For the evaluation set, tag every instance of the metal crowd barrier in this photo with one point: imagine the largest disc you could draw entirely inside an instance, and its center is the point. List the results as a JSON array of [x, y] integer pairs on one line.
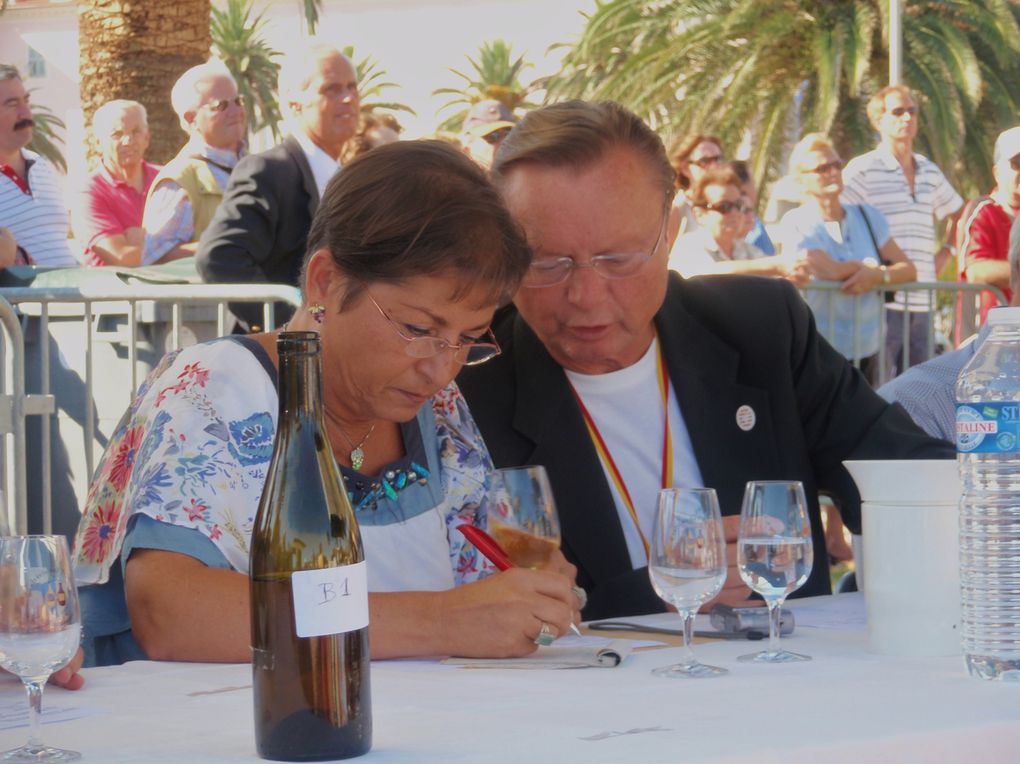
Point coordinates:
[[949, 303], [72, 359]]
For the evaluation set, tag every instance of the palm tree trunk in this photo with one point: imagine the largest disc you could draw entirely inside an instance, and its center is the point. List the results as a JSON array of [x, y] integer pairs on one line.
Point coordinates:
[[137, 49]]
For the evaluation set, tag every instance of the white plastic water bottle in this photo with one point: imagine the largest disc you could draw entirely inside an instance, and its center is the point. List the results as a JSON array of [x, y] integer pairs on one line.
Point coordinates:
[[988, 453]]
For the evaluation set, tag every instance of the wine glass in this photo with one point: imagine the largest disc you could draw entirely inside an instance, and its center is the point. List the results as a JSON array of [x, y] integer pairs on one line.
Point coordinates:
[[687, 564], [40, 626], [522, 515], [774, 552]]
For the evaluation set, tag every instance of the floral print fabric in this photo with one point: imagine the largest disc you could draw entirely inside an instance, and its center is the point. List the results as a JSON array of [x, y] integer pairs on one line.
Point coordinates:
[[193, 448]]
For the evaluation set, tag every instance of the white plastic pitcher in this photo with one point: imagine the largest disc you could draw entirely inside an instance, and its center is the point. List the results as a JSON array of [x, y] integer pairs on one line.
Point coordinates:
[[910, 515]]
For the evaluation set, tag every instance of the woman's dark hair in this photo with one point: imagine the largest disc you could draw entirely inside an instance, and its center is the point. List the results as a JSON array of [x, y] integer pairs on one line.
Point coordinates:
[[717, 176], [418, 208]]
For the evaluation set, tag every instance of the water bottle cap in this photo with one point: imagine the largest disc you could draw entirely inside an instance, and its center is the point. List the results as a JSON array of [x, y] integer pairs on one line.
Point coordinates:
[[1004, 316]]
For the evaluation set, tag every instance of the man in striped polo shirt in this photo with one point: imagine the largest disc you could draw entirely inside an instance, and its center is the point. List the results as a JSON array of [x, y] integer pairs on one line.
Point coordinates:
[[32, 208], [911, 191]]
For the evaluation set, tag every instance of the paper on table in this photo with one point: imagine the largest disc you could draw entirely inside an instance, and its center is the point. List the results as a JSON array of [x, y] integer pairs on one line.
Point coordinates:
[[564, 653], [15, 714], [836, 611]]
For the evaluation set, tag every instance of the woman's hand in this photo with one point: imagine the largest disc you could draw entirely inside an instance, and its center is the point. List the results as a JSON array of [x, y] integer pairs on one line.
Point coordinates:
[[500, 616], [864, 280], [68, 677], [558, 564]]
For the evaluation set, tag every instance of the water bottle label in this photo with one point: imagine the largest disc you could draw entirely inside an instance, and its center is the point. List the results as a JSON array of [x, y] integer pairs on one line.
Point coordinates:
[[330, 600], [988, 428]]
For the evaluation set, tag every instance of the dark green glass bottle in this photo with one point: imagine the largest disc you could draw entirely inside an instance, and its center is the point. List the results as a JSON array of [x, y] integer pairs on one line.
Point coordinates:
[[309, 601]]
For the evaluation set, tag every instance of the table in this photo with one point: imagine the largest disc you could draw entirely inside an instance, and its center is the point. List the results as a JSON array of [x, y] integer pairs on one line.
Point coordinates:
[[846, 705]]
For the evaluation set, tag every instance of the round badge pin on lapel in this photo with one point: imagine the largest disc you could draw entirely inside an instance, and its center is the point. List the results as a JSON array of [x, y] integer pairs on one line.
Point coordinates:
[[746, 418]]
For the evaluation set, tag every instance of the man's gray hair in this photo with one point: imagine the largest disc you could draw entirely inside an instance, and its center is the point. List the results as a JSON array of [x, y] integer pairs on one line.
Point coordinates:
[[184, 96], [300, 67], [106, 115], [9, 72]]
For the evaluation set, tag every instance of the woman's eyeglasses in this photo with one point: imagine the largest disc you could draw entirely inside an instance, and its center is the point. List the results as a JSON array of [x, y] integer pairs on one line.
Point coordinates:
[[724, 207], [833, 166], [899, 111], [222, 104], [425, 346], [706, 162]]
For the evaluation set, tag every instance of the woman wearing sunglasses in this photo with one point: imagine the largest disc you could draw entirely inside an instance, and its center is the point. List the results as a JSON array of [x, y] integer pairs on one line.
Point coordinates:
[[845, 243], [410, 253], [718, 246]]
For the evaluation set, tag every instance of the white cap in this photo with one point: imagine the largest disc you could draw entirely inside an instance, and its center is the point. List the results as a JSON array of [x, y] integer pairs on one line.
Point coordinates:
[[1003, 316], [1007, 145]]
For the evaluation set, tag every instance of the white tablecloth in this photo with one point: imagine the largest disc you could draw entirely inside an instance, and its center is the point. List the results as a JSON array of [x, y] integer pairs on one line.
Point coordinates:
[[846, 705]]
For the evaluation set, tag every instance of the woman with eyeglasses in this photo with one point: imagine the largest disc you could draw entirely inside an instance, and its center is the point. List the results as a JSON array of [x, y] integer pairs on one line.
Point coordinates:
[[691, 155], [410, 253], [719, 246], [849, 244]]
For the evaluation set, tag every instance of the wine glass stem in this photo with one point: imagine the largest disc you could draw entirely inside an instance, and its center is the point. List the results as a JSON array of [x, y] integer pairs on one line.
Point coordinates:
[[775, 611], [687, 615], [34, 688]]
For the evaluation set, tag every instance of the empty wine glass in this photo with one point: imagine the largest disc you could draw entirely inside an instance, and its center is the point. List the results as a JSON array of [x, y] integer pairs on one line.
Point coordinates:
[[40, 626], [522, 515], [687, 564], [774, 552]]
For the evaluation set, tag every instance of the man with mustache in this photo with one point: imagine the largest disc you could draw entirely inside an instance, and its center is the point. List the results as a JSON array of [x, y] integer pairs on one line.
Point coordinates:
[[109, 212], [259, 232], [33, 217], [184, 196]]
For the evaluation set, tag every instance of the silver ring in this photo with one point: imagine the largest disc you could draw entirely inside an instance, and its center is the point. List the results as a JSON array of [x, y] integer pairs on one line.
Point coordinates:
[[545, 636], [582, 596]]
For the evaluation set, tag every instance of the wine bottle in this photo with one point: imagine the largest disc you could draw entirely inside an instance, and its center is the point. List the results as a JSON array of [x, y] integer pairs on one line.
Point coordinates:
[[309, 597]]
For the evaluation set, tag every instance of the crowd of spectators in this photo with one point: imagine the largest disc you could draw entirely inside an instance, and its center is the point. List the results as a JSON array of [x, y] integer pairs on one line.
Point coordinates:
[[867, 223]]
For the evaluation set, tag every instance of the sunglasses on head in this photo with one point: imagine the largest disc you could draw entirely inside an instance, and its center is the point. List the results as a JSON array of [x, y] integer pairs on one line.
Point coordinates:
[[899, 111], [821, 169], [704, 162], [223, 104]]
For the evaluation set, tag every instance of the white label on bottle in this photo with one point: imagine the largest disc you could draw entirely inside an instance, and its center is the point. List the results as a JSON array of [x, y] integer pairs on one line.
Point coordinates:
[[330, 600]]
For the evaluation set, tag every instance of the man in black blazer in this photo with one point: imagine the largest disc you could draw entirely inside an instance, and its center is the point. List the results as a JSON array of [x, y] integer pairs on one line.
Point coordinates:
[[754, 392], [261, 227]]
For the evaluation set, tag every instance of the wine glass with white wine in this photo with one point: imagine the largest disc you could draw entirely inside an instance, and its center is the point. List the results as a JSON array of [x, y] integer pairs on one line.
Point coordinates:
[[522, 515], [774, 552], [40, 626], [687, 564]]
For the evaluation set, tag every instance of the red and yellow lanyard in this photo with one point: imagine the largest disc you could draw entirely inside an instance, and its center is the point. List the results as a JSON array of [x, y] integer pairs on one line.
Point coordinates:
[[607, 458]]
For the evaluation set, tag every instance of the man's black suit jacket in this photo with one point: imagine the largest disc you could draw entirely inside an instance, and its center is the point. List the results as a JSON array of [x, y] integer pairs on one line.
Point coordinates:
[[260, 230], [729, 341]]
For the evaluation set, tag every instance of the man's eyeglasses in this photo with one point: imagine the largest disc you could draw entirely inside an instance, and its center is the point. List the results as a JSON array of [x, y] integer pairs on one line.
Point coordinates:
[[833, 166], [724, 207], [426, 346], [899, 111], [496, 135], [549, 271], [222, 104], [705, 162]]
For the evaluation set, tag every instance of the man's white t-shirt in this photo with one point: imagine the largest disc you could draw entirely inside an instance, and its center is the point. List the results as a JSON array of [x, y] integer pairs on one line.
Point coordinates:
[[626, 406]]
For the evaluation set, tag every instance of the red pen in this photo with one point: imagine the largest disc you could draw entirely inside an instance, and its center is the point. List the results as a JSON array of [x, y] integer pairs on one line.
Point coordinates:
[[493, 552]]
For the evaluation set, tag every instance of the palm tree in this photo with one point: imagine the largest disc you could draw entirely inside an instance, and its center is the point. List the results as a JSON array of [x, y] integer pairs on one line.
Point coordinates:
[[45, 137], [496, 76], [137, 50], [238, 42], [771, 68], [371, 84]]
